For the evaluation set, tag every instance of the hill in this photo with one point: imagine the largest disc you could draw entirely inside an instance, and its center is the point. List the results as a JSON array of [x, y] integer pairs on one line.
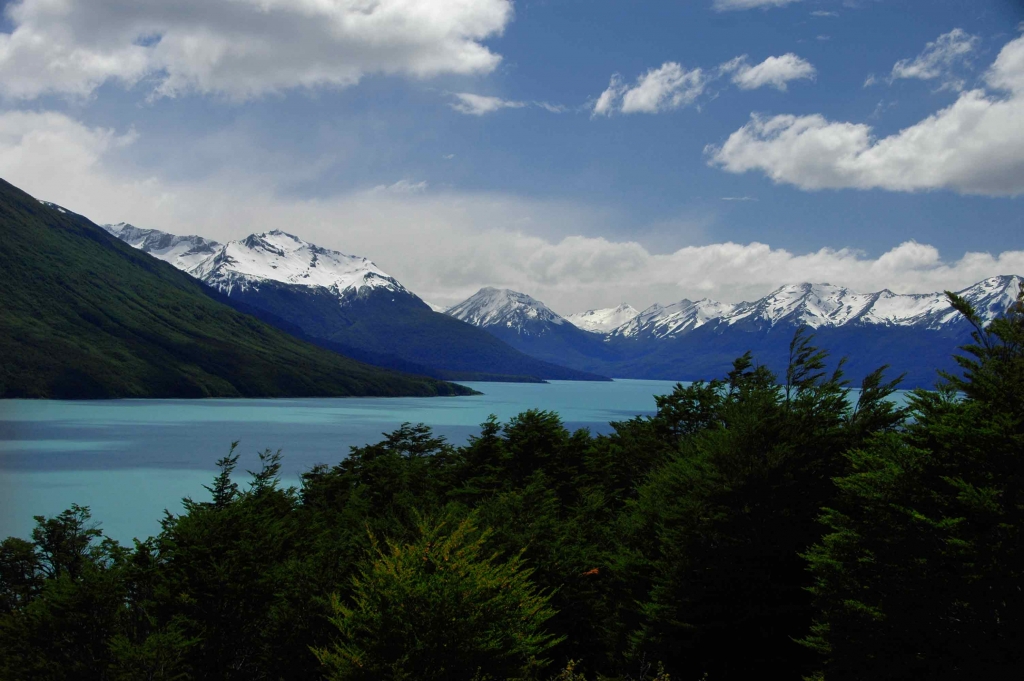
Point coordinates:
[[84, 315]]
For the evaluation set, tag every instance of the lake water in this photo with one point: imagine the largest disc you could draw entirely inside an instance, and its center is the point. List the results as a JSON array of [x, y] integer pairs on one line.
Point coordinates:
[[128, 460]]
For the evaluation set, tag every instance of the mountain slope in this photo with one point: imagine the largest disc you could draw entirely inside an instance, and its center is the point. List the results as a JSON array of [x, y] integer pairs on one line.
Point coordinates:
[[183, 252], [691, 340], [604, 320], [348, 304], [532, 327], [83, 315]]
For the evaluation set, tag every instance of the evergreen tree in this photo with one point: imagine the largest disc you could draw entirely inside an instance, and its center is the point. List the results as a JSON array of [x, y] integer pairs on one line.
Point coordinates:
[[919, 576], [439, 608]]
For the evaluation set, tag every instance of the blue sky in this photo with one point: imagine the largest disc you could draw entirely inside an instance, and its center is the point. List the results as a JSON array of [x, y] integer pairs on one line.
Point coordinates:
[[464, 143]]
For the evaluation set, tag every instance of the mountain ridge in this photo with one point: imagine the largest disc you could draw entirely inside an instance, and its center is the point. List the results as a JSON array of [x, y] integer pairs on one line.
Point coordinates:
[[85, 315], [347, 304], [915, 334]]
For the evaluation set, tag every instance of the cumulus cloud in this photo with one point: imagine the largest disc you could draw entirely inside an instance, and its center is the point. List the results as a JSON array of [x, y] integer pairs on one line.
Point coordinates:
[[667, 87], [728, 5], [445, 245], [240, 48], [939, 60], [775, 72], [974, 146], [671, 86]]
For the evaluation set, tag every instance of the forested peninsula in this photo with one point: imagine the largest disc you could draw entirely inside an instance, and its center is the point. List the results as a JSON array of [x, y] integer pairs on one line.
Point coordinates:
[[756, 526]]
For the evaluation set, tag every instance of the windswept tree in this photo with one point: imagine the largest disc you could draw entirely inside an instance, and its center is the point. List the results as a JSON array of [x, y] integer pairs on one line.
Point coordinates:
[[920, 574], [718, 529]]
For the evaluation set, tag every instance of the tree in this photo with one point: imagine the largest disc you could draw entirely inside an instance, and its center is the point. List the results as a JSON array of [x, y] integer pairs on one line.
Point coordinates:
[[719, 528], [438, 608], [919, 575]]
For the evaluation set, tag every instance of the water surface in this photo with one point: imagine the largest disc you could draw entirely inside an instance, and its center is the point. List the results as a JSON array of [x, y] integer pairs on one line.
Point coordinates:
[[128, 460]]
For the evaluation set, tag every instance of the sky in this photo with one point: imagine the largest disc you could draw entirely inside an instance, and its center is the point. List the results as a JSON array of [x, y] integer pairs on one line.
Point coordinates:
[[587, 153]]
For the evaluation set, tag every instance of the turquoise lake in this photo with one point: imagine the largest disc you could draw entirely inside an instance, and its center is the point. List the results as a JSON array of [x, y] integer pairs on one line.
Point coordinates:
[[128, 460]]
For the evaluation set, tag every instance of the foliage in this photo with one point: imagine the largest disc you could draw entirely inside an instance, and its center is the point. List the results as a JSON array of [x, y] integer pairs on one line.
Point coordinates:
[[439, 608], [683, 538], [919, 575]]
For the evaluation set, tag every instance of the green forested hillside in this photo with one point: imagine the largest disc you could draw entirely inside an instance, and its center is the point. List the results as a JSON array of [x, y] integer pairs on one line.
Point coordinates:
[[83, 315], [757, 526]]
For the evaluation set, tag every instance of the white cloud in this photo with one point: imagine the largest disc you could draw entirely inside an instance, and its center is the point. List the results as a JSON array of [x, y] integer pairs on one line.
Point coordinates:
[[552, 108], [1007, 72], [606, 103], [974, 146], [727, 5], [444, 245], [478, 105], [773, 71], [671, 86], [939, 59], [823, 13], [240, 48], [667, 87], [738, 198], [870, 80], [403, 187]]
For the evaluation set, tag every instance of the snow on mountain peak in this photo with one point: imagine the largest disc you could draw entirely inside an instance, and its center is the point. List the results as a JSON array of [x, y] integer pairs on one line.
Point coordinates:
[[824, 305], [269, 256], [503, 307], [285, 258], [660, 321], [184, 252], [604, 320]]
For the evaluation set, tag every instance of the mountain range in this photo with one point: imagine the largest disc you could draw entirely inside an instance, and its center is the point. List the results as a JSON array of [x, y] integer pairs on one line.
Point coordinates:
[[82, 315], [344, 303], [913, 333], [350, 305]]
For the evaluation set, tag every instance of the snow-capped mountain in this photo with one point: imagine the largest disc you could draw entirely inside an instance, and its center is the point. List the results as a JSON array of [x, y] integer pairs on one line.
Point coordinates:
[[248, 263], [510, 310], [532, 327], [821, 306], [184, 252], [667, 321], [604, 320], [345, 302], [277, 256]]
